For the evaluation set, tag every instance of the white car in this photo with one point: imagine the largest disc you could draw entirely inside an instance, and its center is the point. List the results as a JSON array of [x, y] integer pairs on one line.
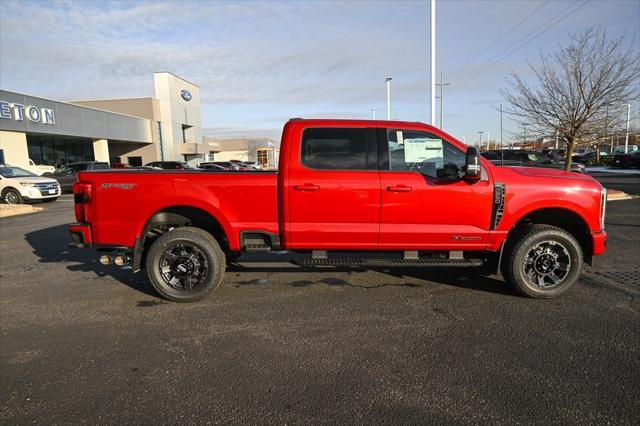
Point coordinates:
[[19, 185], [39, 169]]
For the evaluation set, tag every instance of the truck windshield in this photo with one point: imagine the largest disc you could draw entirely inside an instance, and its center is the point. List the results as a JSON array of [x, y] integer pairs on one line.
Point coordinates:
[[15, 172]]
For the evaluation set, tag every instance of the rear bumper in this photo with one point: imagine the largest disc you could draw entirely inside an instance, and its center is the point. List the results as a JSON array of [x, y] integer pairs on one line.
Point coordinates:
[[599, 242], [80, 235]]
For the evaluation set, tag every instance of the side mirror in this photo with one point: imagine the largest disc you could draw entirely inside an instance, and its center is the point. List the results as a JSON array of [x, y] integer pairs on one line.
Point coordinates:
[[472, 167]]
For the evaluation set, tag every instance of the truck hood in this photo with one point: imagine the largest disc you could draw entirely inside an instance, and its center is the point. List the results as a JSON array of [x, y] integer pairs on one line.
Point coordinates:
[[550, 173]]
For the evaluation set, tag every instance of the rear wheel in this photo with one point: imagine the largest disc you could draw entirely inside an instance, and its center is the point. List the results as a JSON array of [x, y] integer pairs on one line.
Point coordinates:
[[543, 261], [185, 264], [12, 196]]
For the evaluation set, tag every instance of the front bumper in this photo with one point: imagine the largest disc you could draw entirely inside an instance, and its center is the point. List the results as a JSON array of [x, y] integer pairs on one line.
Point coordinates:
[[599, 242], [41, 193], [80, 235]]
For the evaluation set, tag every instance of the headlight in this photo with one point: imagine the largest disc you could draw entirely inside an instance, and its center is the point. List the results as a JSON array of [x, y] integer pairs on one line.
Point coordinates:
[[29, 184], [603, 206]]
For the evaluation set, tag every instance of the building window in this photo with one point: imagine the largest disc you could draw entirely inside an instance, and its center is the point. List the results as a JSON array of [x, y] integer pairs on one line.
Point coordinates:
[[134, 161], [57, 151], [263, 157]]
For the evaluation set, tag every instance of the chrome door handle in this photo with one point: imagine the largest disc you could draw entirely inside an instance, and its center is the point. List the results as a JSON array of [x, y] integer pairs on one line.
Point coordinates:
[[399, 188], [307, 187]]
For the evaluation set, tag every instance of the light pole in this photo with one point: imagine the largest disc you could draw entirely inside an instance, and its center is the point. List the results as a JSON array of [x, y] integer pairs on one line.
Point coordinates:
[[480, 138], [441, 84], [373, 112], [626, 138], [387, 81], [488, 137], [524, 140], [433, 62]]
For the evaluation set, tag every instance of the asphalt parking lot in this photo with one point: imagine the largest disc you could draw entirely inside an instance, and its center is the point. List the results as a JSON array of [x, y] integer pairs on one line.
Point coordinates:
[[83, 343]]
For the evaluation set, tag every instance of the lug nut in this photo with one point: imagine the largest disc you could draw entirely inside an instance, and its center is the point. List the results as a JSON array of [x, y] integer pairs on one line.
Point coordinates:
[[105, 260]]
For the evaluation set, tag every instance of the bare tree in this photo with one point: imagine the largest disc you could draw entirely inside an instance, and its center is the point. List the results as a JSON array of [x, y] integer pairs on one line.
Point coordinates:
[[575, 86]]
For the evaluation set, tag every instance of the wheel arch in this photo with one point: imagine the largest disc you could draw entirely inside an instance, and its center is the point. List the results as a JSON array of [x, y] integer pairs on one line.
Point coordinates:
[[563, 218], [177, 216]]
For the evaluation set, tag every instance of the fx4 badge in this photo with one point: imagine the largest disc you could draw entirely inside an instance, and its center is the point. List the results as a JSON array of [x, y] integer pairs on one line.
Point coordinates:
[[124, 186]]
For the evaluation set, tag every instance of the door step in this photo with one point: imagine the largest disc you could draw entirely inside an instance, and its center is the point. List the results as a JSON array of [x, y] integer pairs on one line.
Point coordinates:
[[350, 261]]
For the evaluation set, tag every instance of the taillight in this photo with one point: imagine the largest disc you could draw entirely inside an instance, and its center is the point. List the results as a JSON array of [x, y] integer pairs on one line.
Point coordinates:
[[82, 197]]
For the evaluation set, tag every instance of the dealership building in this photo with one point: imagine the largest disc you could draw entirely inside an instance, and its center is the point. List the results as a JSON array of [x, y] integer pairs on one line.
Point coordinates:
[[136, 131]]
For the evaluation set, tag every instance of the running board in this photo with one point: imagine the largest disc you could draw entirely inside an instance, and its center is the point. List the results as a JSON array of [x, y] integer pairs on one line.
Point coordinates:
[[432, 263]]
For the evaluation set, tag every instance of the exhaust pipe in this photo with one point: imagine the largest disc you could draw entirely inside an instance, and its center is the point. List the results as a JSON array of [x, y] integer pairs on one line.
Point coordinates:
[[119, 260]]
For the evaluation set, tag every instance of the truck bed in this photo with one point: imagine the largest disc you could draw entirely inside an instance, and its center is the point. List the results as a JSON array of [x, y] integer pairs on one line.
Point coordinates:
[[122, 201]]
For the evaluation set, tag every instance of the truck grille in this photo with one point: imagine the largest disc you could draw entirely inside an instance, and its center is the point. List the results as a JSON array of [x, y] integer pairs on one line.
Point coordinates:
[[44, 188]]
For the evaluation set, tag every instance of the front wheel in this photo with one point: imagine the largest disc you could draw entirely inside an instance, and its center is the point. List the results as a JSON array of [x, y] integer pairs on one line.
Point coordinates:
[[185, 264], [11, 196], [543, 261]]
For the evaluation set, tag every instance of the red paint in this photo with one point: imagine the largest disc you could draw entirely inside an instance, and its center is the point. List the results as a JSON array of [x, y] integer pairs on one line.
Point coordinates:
[[347, 210]]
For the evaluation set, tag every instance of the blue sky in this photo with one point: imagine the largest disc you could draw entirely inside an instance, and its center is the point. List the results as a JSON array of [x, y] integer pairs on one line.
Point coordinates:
[[260, 63]]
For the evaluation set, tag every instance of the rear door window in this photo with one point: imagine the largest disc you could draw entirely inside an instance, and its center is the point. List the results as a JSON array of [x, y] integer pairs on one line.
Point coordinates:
[[334, 148]]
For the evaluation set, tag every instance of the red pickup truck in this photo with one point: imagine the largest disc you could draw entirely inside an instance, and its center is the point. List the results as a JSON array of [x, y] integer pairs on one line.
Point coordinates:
[[348, 192]]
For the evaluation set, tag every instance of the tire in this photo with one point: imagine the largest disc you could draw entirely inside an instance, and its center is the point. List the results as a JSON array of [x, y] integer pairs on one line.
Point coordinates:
[[185, 264], [49, 200], [542, 261], [12, 196]]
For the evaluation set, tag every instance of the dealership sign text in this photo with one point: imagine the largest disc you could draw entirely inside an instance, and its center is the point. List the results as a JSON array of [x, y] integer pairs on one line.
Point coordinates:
[[18, 112]]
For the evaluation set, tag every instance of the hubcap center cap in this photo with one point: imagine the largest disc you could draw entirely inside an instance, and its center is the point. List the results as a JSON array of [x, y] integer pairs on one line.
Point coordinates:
[[184, 266], [545, 264]]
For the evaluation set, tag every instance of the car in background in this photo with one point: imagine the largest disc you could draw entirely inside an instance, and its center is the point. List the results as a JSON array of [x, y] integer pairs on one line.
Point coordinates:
[[226, 165], [627, 160], [67, 175], [169, 165], [525, 158], [19, 185], [212, 167], [39, 169]]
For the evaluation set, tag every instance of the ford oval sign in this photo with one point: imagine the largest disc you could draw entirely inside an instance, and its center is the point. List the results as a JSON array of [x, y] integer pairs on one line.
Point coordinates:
[[186, 95]]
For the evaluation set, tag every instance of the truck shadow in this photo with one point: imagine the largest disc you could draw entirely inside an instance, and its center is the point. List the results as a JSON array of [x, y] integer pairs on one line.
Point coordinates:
[[50, 245], [466, 279]]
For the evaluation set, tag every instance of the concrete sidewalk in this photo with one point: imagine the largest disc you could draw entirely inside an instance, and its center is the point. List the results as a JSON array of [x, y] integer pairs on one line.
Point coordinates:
[[7, 210]]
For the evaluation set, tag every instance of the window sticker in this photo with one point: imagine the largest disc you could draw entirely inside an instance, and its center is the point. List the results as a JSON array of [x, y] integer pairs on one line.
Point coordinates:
[[399, 137], [420, 150]]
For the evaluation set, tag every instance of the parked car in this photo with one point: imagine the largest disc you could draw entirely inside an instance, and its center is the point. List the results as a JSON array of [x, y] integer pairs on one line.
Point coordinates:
[[579, 152], [226, 165], [211, 167], [67, 175], [170, 165], [19, 185], [627, 160], [348, 192], [525, 158], [39, 169], [630, 149]]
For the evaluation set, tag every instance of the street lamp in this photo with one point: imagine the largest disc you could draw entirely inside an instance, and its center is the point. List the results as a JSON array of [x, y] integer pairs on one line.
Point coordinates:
[[480, 133], [442, 84], [373, 112], [387, 81], [626, 138]]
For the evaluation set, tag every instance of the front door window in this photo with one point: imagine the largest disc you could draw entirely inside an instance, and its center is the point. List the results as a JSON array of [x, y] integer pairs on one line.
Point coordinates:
[[424, 153]]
